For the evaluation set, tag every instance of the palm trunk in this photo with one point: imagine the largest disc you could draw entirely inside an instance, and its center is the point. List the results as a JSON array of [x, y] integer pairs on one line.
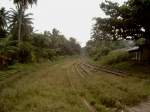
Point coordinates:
[[19, 31], [20, 24]]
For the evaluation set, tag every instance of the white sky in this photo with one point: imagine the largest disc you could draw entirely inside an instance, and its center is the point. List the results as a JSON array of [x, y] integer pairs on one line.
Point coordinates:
[[72, 17]]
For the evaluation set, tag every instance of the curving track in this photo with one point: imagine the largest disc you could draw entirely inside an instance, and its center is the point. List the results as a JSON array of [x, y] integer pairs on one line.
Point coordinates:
[[85, 70], [72, 85]]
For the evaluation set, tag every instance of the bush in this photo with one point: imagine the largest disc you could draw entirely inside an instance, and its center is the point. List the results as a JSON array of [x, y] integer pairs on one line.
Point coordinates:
[[25, 52], [8, 52], [101, 52], [115, 57], [38, 54], [140, 41], [49, 54]]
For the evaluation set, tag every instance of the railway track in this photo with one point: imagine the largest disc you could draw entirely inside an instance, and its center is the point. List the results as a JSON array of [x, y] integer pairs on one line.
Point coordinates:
[[85, 72], [105, 69], [75, 69], [90, 68]]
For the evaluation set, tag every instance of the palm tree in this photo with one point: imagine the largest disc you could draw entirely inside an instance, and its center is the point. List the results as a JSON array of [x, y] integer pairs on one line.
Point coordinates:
[[7, 50], [3, 21], [26, 27], [22, 5], [25, 3]]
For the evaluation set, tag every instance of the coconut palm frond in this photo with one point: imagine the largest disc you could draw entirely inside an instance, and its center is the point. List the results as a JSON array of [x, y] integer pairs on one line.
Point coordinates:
[[26, 25]]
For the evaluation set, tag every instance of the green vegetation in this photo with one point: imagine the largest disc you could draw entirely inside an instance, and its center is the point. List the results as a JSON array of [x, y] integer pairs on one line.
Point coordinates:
[[115, 57], [18, 42], [44, 87], [42, 72], [121, 35], [125, 26], [137, 69], [3, 22], [99, 48], [128, 20], [20, 24], [25, 68]]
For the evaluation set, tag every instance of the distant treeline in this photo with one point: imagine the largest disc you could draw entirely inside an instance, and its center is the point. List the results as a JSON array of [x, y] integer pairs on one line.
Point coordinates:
[[19, 43]]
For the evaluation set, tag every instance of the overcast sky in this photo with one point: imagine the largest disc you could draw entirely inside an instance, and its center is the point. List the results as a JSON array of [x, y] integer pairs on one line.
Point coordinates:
[[72, 17]]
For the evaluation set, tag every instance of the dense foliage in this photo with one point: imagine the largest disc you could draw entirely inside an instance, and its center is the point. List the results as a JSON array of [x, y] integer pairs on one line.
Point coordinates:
[[99, 48], [3, 22], [129, 21], [114, 57], [18, 42]]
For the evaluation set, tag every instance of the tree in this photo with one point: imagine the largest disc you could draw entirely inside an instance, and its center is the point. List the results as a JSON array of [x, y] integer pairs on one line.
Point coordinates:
[[74, 46], [123, 22], [22, 5], [55, 32], [128, 20], [7, 51], [3, 22], [140, 14], [40, 40], [26, 26]]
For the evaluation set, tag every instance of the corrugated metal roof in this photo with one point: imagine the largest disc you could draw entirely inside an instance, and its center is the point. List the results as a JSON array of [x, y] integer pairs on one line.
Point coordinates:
[[136, 48]]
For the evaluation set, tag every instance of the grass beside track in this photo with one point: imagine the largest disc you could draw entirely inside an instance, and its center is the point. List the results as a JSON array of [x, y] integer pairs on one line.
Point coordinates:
[[69, 86]]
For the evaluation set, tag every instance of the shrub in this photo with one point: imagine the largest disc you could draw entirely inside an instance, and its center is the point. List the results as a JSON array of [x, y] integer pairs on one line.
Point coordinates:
[[140, 41], [101, 52], [25, 52], [8, 52], [115, 57], [49, 54], [38, 54]]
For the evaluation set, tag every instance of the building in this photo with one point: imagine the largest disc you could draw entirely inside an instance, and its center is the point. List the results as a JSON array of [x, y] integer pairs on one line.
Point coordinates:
[[140, 53]]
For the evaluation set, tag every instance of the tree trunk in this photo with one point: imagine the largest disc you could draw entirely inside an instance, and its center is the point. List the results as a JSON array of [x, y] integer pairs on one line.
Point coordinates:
[[20, 24]]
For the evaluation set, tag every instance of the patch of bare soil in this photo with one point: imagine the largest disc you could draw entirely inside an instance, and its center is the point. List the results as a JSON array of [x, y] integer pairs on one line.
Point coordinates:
[[142, 107]]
